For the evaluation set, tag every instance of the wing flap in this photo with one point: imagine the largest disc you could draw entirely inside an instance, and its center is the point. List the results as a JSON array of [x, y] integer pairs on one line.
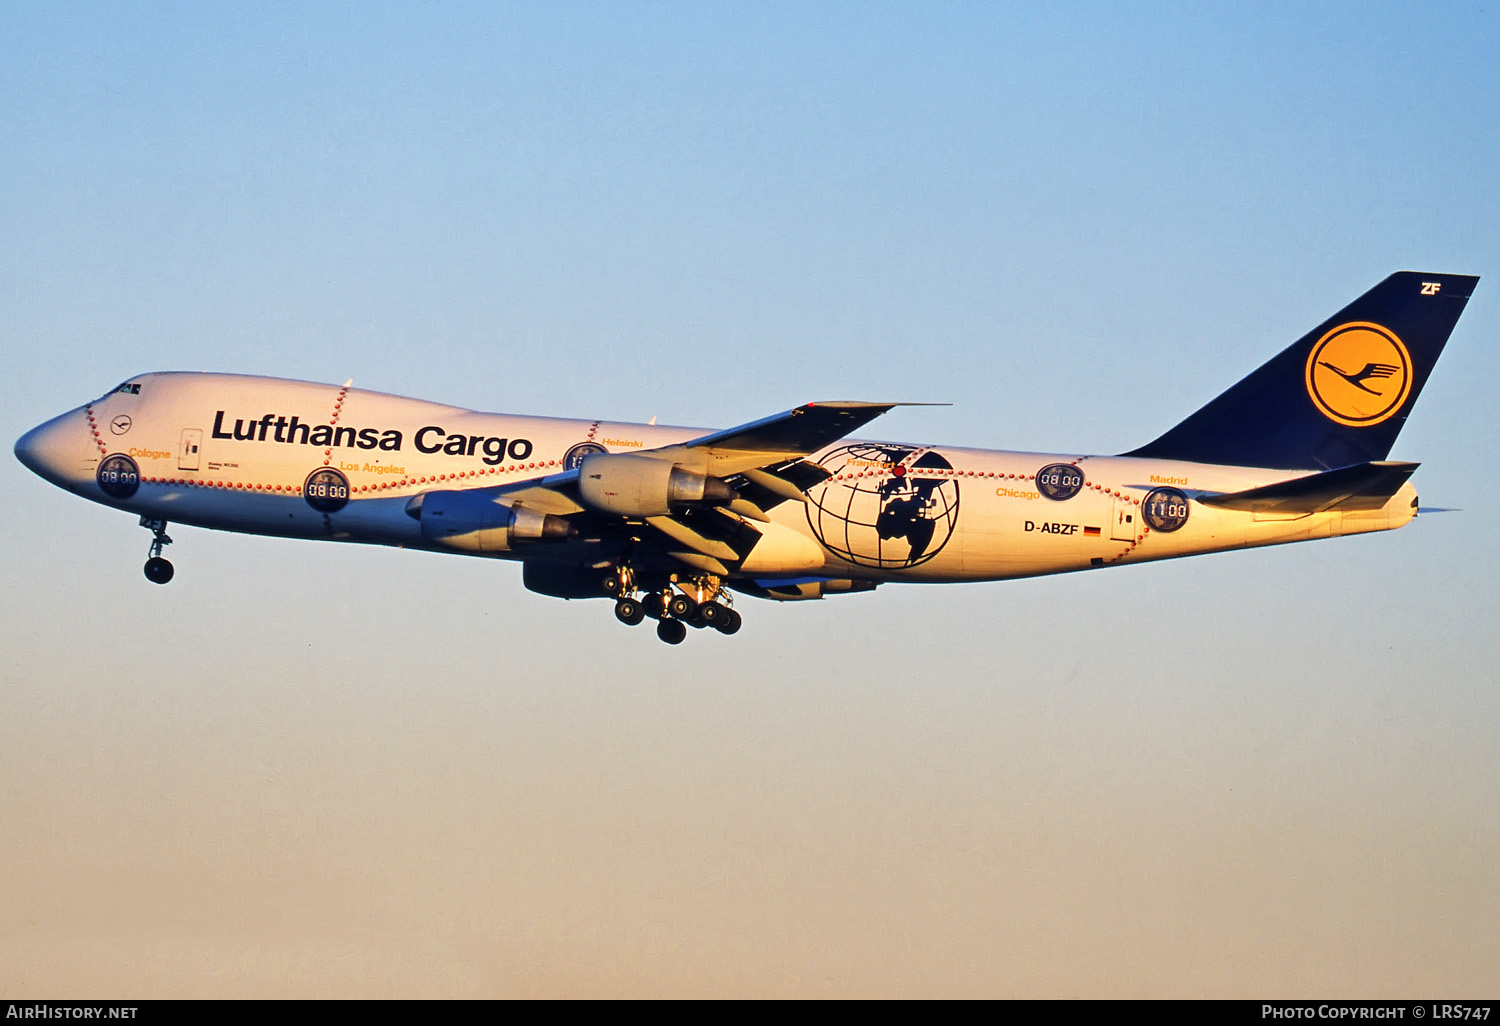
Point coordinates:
[[685, 535], [769, 486]]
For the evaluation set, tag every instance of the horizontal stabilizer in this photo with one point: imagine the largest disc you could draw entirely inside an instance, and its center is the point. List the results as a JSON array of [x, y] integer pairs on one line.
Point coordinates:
[[1362, 486]]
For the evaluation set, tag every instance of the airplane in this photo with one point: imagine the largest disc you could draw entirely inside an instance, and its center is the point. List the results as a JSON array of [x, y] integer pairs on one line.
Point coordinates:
[[671, 523]]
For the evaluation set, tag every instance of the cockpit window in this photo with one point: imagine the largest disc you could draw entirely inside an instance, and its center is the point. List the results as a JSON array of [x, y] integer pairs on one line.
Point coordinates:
[[124, 388]]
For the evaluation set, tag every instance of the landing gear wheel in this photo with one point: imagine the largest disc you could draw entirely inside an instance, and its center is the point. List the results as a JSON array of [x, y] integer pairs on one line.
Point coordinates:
[[629, 611], [158, 570], [671, 631], [612, 584], [653, 606], [682, 607], [712, 614], [731, 622]]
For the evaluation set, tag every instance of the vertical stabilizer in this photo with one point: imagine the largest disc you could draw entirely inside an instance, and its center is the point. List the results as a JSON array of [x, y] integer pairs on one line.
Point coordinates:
[[1340, 394]]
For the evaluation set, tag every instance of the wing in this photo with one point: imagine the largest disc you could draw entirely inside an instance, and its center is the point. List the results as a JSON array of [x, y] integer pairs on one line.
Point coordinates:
[[762, 463], [798, 432], [763, 451]]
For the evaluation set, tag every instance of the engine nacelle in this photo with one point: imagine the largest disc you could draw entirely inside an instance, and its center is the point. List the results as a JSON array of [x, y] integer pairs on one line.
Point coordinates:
[[473, 523], [563, 580], [640, 486]]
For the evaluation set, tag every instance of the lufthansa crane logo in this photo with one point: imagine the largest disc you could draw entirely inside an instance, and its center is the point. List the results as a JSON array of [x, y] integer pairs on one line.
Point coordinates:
[[1359, 374]]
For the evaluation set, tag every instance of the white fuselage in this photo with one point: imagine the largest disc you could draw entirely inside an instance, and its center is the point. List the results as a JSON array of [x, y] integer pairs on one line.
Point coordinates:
[[235, 453]]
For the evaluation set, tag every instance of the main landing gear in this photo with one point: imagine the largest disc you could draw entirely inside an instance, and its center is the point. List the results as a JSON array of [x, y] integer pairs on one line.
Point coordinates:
[[158, 570], [699, 603]]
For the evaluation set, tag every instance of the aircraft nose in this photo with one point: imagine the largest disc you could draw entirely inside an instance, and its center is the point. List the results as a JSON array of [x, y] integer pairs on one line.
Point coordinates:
[[57, 449]]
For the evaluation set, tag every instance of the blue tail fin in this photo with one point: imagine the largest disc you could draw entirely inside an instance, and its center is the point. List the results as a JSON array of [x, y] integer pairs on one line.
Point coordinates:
[[1340, 394]]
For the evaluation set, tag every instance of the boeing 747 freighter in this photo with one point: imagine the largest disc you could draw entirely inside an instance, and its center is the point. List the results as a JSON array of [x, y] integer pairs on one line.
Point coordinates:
[[670, 523]]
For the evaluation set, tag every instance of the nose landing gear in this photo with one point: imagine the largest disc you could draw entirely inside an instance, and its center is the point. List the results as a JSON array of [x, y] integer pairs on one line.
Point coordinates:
[[158, 570]]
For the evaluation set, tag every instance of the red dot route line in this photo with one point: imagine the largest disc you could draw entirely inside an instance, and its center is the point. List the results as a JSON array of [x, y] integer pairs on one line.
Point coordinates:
[[464, 475], [296, 489], [338, 406], [902, 470], [94, 427]]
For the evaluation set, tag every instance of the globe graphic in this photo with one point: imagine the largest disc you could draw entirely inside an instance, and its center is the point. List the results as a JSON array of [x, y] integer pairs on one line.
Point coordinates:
[[879, 509]]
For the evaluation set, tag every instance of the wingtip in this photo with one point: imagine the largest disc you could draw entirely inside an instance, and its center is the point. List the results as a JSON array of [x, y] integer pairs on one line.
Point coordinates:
[[863, 404]]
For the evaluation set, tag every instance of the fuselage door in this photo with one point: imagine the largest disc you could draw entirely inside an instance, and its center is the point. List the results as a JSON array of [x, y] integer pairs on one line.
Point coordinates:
[[1126, 520], [187, 449]]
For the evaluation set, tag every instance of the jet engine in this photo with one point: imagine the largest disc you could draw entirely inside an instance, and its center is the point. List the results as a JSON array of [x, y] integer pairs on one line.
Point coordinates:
[[564, 581], [641, 486], [474, 523]]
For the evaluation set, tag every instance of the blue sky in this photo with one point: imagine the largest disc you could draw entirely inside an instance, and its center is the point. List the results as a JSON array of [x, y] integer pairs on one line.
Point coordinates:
[[318, 770]]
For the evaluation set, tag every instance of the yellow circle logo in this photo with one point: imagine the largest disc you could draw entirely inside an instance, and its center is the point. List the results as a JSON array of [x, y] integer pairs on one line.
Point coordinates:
[[1359, 374]]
